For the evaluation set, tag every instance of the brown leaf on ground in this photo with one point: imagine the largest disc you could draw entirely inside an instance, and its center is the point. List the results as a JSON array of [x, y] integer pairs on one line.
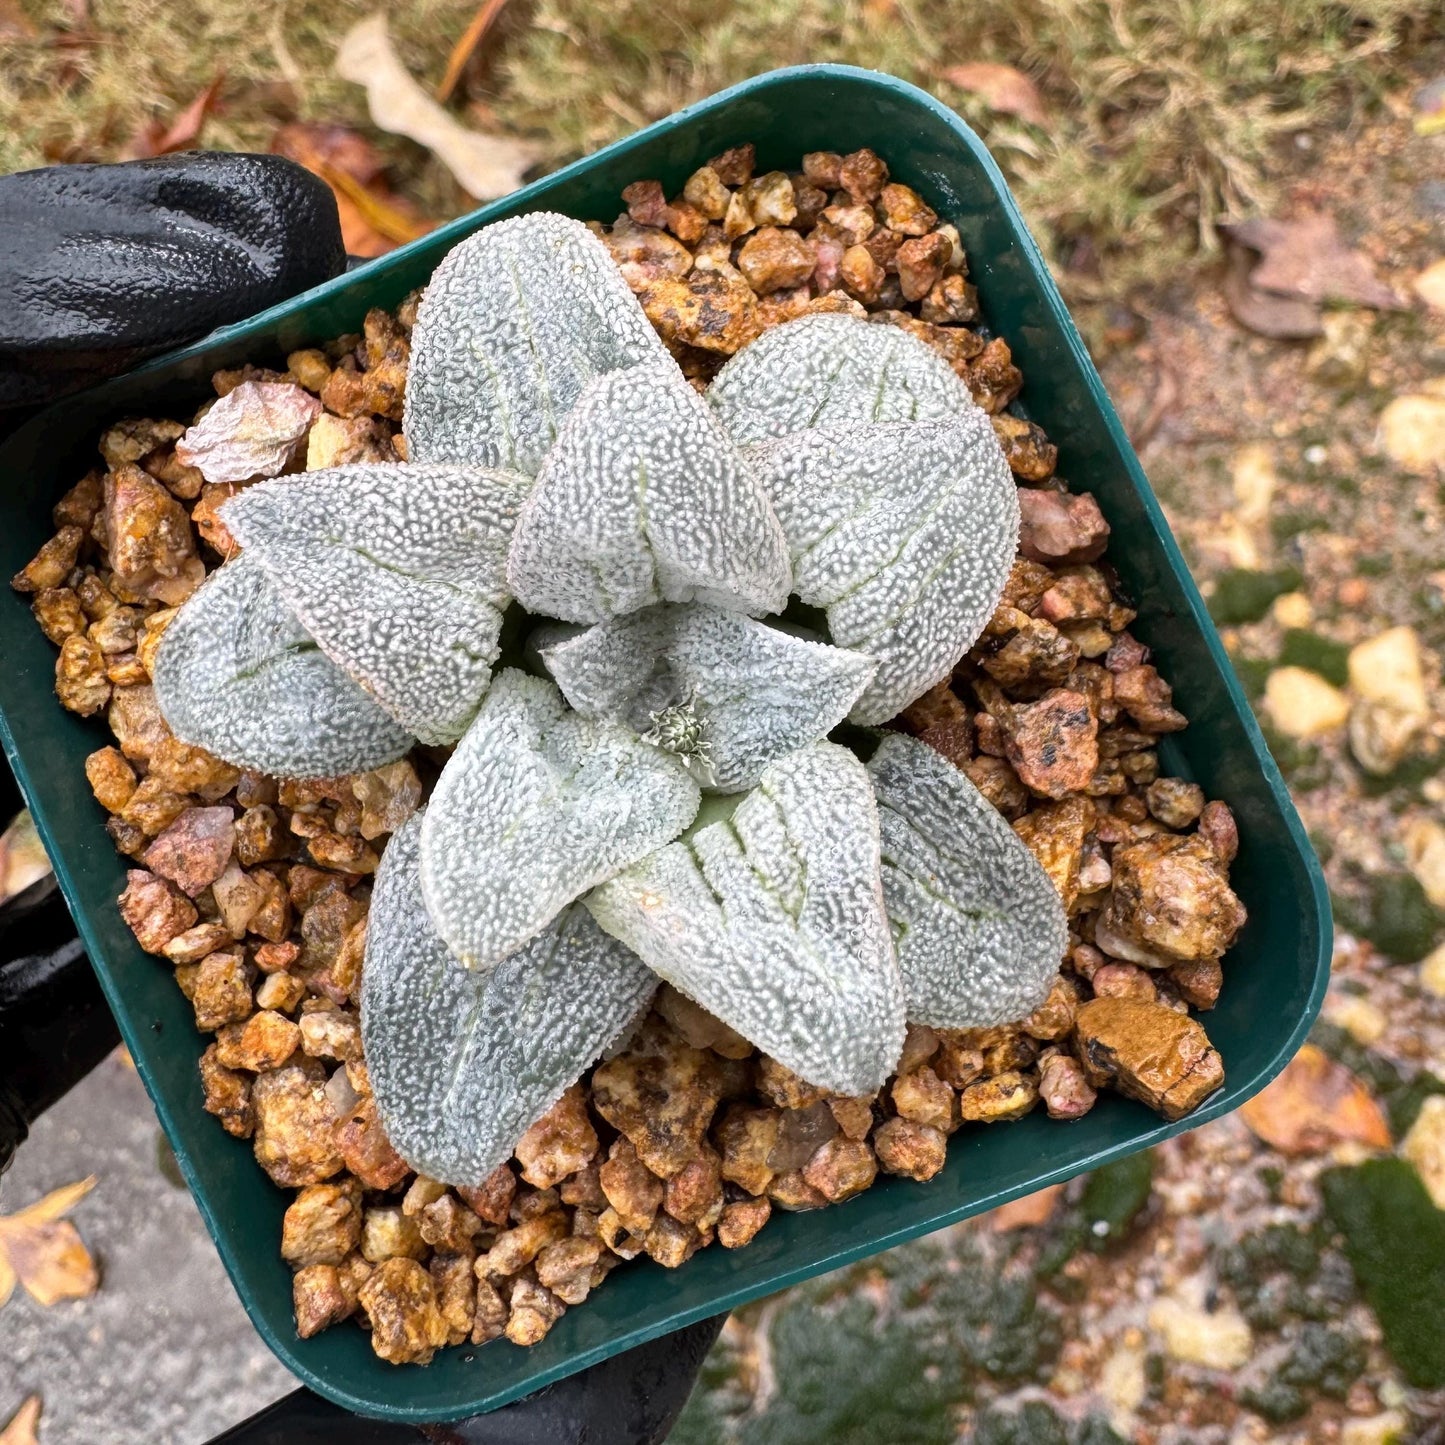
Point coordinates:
[[486, 166], [156, 139], [21, 1429], [1032, 1209], [1001, 87], [1306, 259], [1314, 1104], [374, 219], [1281, 318], [15, 24], [468, 44], [41, 1249]]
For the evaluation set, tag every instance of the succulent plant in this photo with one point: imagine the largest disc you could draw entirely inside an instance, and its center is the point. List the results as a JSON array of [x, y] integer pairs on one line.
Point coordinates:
[[663, 802]]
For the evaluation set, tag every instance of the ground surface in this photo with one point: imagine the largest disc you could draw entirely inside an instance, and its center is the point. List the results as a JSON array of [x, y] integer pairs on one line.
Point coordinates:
[[1225, 1289]]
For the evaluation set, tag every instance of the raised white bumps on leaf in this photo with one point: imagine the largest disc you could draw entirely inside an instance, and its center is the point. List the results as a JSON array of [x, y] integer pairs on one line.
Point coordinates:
[[536, 805], [644, 499], [238, 675], [905, 532], [463, 1064], [827, 369], [980, 930], [515, 321], [754, 692], [773, 921], [397, 572]]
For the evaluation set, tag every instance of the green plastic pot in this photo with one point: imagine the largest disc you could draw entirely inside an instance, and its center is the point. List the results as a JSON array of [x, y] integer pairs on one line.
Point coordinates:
[[1274, 977]]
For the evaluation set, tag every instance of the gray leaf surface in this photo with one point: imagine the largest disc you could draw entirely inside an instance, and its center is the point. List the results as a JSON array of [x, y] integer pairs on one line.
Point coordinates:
[[537, 805], [643, 500], [905, 532], [980, 930], [238, 675], [773, 921], [830, 369], [515, 321], [757, 692], [463, 1064], [398, 572]]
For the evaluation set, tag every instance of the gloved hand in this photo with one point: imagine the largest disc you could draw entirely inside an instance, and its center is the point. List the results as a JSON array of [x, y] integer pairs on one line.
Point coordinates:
[[101, 267]]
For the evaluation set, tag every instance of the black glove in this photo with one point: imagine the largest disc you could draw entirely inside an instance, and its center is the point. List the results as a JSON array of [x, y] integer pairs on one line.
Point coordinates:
[[100, 267]]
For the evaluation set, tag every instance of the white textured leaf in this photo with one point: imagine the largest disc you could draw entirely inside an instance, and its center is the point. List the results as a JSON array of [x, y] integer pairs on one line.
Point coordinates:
[[905, 532], [463, 1064], [238, 675], [515, 321], [536, 806], [397, 572], [644, 499], [829, 369], [773, 921], [255, 430], [980, 930], [756, 692]]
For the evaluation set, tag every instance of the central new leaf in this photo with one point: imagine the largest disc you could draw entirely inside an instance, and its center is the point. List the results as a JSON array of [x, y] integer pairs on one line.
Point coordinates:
[[536, 806]]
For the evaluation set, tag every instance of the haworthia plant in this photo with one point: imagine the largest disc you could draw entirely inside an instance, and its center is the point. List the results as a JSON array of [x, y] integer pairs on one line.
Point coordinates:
[[729, 694], [831, 369], [905, 533], [515, 322], [979, 928], [537, 805], [773, 921], [238, 675], [644, 499], [461, 1063], [398, 572]]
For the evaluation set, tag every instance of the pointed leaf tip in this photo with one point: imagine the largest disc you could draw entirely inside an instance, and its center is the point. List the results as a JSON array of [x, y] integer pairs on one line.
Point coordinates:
[[238, 675], [773, 921], [535, 806], [398, 572], [462, 1064], [980, 929], [644, 500], [515, 322]]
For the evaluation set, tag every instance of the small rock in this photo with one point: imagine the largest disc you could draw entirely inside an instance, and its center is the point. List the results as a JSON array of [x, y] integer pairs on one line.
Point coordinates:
[[1218, 1340], [916, 1151], [1386, 1428], [1053, 743], [1364, 1021], [1387, 668], [1382, 736], [1057, 527], [1341, 357], [1301, 704], [1425, 853], [1430, 286], [194, 850], [1432, 972], [1293, 609], [1424, 1147], [1254, 480], [1412, 432], [1149, 1052]]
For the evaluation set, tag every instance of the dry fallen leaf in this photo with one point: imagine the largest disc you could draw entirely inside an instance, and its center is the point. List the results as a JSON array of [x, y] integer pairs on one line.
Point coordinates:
[[43, 1251], [1314, 1104], [155, 139], [486, 166], [1282, 318], [1032, 1209], [373, 218], [1306, 259], [22, 857], [255, 430], [1001, 87], [21, 1429], [467, 46]]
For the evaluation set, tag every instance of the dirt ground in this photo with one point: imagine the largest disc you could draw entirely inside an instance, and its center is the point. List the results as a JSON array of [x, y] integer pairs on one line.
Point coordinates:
[[1276, 1276]]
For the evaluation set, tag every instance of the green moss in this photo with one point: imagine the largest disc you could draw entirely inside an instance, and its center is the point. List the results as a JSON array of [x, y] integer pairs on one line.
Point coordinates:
[[1395, 1238], [1277, 1401], [1242, 595], [1395, 915], [1376, 564], [1327, 1361], [1253, 673], [1284, 526], [1115, 1194], [1302, 648], [1034, 1424]]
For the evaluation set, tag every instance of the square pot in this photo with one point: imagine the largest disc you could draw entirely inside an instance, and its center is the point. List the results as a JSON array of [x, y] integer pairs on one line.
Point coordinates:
[[1275, 974]]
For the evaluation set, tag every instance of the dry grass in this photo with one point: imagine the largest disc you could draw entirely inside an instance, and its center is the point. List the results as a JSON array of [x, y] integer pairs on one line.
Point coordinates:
[[1164, 114]]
